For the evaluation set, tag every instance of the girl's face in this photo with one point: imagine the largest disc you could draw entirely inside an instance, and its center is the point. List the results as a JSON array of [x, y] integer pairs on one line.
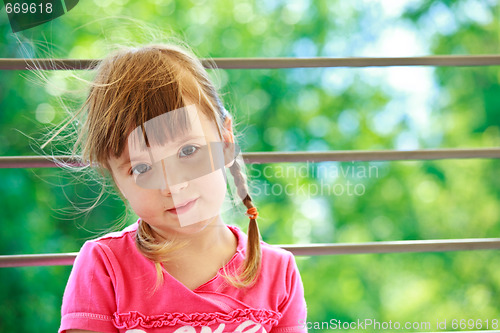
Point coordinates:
[[179, 185]]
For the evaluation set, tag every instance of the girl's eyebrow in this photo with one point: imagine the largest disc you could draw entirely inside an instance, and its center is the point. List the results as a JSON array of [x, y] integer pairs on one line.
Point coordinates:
[[190, 137]]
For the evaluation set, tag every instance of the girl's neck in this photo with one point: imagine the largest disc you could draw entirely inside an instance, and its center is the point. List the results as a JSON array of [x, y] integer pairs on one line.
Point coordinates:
[[206, 253]]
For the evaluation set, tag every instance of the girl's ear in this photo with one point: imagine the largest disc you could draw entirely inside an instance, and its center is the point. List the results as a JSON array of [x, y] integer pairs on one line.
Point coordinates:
[[230, 149], [231, 152], [228, 135]]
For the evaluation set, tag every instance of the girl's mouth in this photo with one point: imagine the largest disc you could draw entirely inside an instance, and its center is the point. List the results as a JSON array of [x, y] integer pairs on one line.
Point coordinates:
[[183, 208]]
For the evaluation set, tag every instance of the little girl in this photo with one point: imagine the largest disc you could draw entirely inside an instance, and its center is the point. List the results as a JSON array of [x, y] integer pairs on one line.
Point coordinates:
[[156, 125]]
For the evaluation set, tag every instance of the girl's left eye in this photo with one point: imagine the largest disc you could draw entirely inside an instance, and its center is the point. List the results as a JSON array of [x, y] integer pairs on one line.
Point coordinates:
[[140, 169], [188, 151]]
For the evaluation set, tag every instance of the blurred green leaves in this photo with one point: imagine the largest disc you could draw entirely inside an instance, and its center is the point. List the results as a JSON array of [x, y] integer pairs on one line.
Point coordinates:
[[289, 110]]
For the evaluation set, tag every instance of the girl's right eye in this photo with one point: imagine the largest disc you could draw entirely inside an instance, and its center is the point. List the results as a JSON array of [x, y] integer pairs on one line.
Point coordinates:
[[188, 151], [140, 169]]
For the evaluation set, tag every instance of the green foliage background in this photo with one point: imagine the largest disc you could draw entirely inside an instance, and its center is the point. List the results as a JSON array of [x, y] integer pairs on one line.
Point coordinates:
[[290, 110]]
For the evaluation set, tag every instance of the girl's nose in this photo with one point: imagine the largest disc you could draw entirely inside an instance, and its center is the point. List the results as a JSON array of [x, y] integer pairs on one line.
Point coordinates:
[[173, 189], [168, 190]]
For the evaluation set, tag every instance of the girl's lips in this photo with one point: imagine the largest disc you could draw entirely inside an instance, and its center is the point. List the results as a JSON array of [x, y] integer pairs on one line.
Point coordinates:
[[181, 209]]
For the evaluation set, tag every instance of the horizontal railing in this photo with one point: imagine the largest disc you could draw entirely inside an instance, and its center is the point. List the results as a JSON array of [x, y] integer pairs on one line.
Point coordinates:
[[267, 63], [440, 245], [299, 250], [278, 157]]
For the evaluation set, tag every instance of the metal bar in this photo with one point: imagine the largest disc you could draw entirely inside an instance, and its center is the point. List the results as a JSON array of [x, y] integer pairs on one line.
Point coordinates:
[[36, 161], [47, 64], [375, 155], [38, 260], [278, 157], [440, 245], [262, 63]]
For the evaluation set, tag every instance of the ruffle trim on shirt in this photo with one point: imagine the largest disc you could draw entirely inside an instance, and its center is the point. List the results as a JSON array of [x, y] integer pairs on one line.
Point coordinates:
[[135, 319]]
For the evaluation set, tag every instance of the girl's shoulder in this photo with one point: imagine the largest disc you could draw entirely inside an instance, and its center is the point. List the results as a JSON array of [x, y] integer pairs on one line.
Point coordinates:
[[275, 252], [112, 254], [270, 253], [115, 243], [127, 232]]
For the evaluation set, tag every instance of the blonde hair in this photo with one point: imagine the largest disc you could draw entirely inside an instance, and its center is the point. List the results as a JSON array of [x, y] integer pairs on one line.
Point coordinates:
[[135, 85]]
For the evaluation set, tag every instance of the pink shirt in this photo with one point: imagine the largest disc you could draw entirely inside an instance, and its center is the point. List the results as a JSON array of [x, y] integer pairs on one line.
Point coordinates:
[[110, 289]]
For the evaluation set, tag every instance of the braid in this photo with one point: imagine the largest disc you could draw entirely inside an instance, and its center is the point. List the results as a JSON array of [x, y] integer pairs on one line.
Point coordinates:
[[251, 265]]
